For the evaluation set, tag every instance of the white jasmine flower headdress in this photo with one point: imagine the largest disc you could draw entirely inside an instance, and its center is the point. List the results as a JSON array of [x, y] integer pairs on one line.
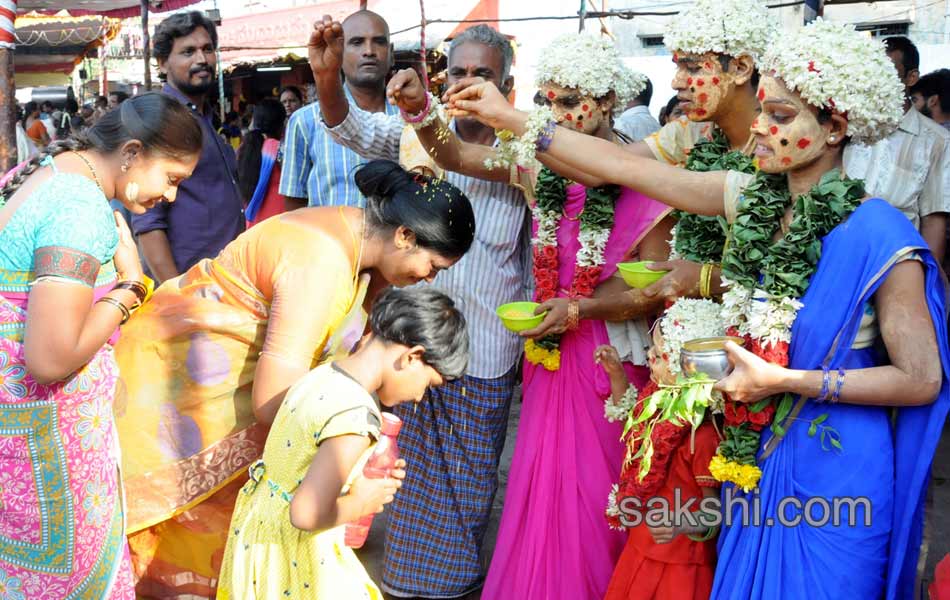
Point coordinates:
[[732, 27], [831, 65], [591, 65]]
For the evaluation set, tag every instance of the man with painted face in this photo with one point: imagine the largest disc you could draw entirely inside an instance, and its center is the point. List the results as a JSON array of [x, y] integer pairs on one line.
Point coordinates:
[[207, 212], [316, 170], [911, 168], [452, 442]]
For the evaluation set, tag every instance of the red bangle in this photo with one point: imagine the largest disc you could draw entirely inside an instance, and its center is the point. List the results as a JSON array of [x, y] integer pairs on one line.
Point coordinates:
[[420, 117]]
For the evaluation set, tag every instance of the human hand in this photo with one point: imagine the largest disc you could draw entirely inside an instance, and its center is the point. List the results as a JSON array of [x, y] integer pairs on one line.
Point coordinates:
[[662, 534], [127, 252], [325, 48], [484, 102], [752, 378], [608, 358], [554, 322], [372, 495], [406, 91], [460, 85], [682, 280]]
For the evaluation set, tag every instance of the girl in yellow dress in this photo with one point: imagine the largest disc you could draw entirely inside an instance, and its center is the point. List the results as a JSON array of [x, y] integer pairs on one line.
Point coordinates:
[[286, 536]]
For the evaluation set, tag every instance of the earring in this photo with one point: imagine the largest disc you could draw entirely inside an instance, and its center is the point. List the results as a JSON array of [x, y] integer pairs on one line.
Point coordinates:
[[832, 139], [125, 167], [132, 191]]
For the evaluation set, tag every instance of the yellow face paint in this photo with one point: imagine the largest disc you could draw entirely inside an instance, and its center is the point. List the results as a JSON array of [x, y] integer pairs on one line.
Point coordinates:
[[701, 84], [580, 112], [787, 132]]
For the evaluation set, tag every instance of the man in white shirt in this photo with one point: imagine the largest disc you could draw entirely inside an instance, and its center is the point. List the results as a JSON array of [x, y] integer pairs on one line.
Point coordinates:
[[911, 168], [636, 122]]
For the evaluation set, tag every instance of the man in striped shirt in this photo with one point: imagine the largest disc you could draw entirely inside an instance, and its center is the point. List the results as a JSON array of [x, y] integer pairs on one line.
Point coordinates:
[[316, 170], [453, 440]]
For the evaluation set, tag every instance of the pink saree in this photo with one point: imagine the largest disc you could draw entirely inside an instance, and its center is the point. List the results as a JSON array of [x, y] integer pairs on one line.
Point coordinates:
[[553, 542], [61, 520]]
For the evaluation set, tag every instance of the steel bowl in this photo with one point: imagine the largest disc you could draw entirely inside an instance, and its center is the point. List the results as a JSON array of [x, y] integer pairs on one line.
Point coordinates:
[[707, 356]]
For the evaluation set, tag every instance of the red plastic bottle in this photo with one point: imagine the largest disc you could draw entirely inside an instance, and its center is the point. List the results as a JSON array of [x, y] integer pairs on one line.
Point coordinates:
[[380, 464]]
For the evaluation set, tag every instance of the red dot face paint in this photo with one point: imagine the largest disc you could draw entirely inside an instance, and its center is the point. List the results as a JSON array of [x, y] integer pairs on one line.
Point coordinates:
[[689, 81], [804, 143], [579, 125], [700, 82], [715, 81], [590, 115], [569, 117], [551, 95], [773, 129], [786, 160], [701, 112], [703, 98], [761, 95], [755, 124], [585, 108], [708, 66]]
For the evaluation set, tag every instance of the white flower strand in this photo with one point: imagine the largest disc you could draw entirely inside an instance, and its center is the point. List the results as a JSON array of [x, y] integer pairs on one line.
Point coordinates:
[[729, 27], [592, 66], [521, 151], [689, 319], [619, 411], [831, 65], [593, 243]]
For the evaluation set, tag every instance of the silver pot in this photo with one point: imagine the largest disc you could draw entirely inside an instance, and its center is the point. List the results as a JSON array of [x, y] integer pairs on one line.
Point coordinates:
[[707, 356]]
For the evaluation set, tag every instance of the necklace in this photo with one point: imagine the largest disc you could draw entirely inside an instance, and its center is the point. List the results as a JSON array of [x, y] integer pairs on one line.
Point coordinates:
[[95, 176]]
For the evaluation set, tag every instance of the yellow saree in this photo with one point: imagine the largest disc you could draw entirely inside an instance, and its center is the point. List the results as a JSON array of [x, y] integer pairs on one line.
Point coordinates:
[[187, 361]]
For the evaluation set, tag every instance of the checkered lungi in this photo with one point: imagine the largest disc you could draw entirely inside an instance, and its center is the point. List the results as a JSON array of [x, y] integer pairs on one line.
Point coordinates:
[[452, 442]]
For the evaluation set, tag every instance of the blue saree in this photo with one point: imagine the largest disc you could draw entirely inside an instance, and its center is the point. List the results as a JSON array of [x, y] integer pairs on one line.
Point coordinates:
[[886, 462]]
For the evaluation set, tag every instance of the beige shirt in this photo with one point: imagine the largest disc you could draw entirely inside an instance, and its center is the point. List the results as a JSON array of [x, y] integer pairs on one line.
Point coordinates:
[[672, 143], [910, 169]]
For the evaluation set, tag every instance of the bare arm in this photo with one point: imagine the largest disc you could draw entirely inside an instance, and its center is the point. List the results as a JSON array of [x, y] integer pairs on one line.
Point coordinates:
[[272, 378], [64, 328], [317, 504], [325, 51], [912, 379], [700, 193], [933, 228], [158, 255]]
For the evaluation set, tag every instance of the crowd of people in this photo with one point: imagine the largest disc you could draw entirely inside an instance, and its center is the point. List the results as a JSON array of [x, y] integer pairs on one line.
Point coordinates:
[[191, 384]]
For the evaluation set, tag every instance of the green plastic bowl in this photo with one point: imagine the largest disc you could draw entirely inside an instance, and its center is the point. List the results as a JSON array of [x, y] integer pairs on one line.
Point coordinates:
[[637, 275], [519, 316]]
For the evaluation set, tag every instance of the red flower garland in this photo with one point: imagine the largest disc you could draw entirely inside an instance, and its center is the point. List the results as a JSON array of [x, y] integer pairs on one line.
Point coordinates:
[[546, 276]]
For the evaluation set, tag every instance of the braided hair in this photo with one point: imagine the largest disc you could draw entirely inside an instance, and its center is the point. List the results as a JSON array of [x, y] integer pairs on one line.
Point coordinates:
[[160, 123]]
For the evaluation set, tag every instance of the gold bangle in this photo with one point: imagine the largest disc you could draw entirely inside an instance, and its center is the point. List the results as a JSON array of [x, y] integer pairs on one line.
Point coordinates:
[[573, 314], [122, 307], [704, 280], [136, 287]]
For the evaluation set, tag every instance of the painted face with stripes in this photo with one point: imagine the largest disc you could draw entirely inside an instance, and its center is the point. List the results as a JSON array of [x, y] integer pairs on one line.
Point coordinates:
[[701, 84], [573, 109], [787, 132]]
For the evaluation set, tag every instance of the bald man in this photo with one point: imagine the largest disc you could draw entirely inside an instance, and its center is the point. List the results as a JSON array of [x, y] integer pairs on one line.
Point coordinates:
[[316, 170]]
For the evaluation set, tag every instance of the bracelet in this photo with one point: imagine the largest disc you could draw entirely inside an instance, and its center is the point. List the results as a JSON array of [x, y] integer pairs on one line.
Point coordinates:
[[426, 116], [546, 136], [136, 287], [825, 380], [573, 314], [838, 385], [705, 280], [126, 313]]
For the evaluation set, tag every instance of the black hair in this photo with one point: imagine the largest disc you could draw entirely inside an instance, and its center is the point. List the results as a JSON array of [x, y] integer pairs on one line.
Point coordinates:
[[160, 123], [436, 211], [935, 83], [293, 90], [910, 57], [28, 109], [102, 101], [668, 109], [72, 107], [46, 103], [177, 26], [269, 117], [423, 316], [646, 95], [120, 97], [725, 59]]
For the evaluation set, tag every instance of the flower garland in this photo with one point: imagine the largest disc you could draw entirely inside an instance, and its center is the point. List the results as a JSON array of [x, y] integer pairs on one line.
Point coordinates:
[[521, 151], [766, 280], [596, 222], [648, 459], [700, 238]]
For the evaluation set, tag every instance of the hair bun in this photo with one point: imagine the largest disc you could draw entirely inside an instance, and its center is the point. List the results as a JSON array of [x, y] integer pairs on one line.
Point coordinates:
[[381, 178]]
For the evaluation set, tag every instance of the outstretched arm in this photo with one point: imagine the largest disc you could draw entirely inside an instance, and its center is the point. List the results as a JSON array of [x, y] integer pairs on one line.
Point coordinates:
[[325, 52], [700, 193]]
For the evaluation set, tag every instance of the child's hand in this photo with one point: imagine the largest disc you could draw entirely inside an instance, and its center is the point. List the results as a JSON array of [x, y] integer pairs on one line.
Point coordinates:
[[608, 358], [662, 534], [373, 494]]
